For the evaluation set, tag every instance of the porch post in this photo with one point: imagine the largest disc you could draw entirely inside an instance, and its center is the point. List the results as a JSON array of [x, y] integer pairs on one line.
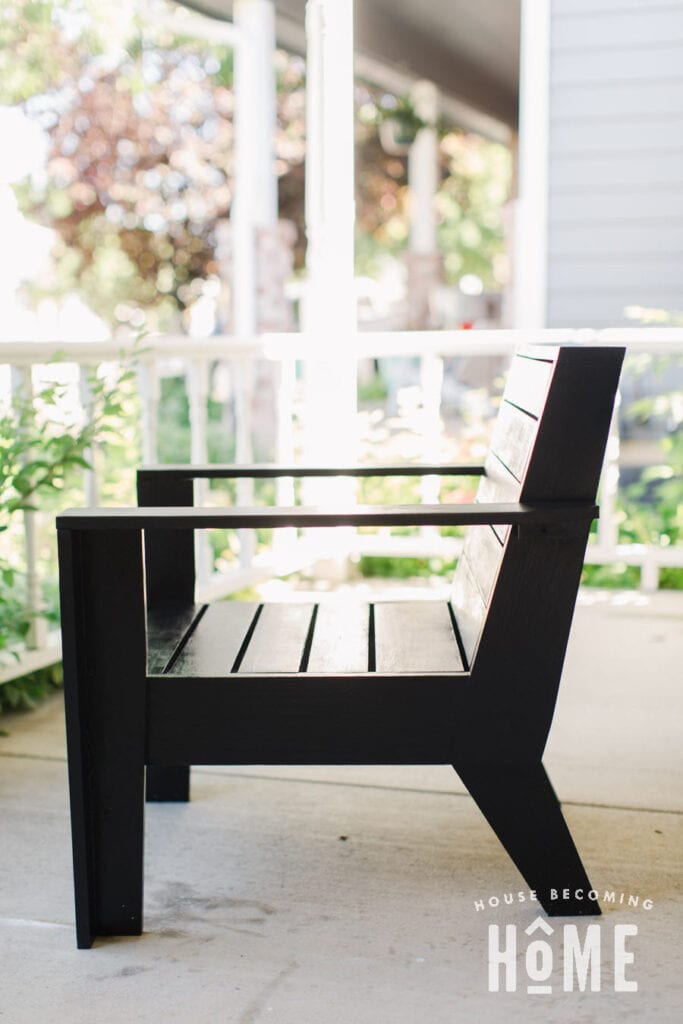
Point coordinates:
[[531, 208], [424, 263], [330, 309], [255, 203], [254, 207]]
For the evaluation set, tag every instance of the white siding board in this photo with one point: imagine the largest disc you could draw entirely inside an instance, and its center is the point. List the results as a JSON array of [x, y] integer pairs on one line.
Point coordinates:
[[633, 28], [587, 274], [626, 134], [615, 99], [603, 64], [619, 171], [579, 309], [568, 9], [630, 239], [606, 209], [615, 160]]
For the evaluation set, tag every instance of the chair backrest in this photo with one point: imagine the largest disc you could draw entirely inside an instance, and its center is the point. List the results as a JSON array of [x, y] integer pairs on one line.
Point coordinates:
[[548, 444]]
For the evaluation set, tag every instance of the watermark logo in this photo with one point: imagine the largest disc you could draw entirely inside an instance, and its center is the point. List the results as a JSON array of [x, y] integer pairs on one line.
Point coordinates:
[[581, 956], [545, 957]]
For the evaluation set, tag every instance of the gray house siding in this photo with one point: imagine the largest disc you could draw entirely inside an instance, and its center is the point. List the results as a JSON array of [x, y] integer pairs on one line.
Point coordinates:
[[615, 160]]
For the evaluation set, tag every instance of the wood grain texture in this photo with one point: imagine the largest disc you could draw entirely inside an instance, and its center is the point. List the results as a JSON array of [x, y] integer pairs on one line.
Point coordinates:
[[213, 646], [483, 551], [469, 609], [513, 438], [166, 627], [341, 638], [527, 383], [278, 641], [415, 636]]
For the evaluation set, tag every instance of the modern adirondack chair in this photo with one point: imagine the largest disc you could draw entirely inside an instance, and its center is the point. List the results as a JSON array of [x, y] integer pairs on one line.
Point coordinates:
[[156, 683]]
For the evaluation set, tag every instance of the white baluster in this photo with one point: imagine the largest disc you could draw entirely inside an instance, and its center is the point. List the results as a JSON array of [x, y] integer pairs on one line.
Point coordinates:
[[90, 488], [21, 384], [197, 378], [284, 448], [150, 394], [608, 529], [244, 383], [431, 381]]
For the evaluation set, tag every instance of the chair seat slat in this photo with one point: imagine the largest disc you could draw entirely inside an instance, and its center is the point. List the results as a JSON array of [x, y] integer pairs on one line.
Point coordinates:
[[214, 644], [166, 628], [415, 636], [341, 638], [279, 639]]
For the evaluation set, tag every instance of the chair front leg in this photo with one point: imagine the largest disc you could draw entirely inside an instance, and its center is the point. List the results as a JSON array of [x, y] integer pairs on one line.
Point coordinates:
[[103, 632]]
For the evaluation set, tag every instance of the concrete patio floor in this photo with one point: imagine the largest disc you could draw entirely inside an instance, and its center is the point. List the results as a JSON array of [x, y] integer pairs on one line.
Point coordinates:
[[317, 896]]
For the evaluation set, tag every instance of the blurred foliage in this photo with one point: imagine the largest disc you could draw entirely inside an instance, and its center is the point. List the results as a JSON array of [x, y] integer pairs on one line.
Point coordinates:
[[139, 117], [25, 693], [140, 165], [45, 446], [403, 568], [475, 181]]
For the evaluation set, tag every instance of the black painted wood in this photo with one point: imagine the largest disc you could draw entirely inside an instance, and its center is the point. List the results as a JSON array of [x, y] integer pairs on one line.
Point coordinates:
[[167, 629], [472, 683], [169, 581], [528, 381], [169, 584], [415, 637], [513, 438], [341, 639], [266, 472], [519, 803], [307, 718], [103, 632], [530, 514], [279, 639], [167, 784], [215, 643]]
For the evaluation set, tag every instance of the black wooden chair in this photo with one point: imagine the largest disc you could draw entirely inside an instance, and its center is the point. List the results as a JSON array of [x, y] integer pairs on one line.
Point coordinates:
[[156, 682]]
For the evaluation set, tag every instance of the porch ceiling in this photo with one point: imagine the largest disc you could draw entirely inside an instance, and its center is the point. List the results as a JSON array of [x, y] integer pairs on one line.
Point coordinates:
[[470, 50]]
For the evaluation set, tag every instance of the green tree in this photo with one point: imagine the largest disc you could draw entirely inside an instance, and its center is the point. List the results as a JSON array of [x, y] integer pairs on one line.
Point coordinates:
[[140, 127]]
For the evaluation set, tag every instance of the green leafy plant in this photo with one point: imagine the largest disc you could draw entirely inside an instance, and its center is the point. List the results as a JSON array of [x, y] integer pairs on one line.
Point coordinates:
[[25, 693], [651, 508], [400, 123], [44, 448]]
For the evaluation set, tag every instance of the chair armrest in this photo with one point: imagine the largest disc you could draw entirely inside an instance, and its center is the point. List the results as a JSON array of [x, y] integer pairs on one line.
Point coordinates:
[[538, 514], [267, 471]]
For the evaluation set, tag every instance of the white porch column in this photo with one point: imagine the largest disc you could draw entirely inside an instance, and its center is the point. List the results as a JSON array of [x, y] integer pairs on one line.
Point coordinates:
[[255, 201], [254, 205], [423, 168], [531, 209], [423, 260], [330, 305]]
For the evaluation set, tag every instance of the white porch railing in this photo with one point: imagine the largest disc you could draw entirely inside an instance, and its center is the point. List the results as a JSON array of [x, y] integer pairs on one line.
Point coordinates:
[[193, 357]]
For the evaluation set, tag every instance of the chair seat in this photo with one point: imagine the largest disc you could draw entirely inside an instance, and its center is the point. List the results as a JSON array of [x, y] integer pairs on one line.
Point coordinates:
[[247, 638]]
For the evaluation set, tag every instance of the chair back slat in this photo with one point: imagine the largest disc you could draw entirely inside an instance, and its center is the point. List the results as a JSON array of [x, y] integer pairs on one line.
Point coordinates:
[[547, 444]]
